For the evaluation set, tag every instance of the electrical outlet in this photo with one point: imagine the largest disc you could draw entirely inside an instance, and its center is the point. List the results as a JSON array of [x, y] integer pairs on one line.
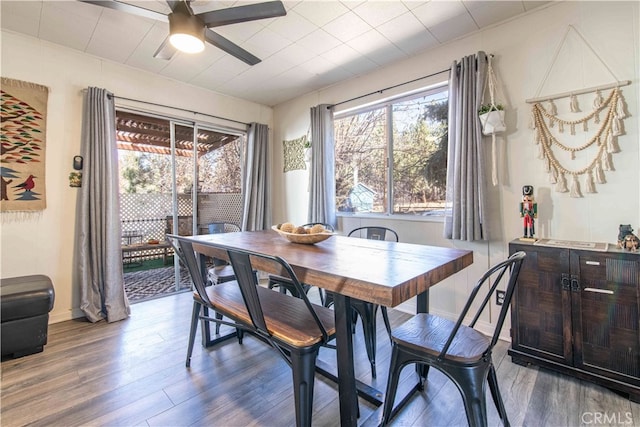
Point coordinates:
[[499, 297]]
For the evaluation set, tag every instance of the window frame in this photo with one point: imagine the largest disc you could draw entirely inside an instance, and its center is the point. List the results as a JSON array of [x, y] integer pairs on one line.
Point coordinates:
[[387, 104]]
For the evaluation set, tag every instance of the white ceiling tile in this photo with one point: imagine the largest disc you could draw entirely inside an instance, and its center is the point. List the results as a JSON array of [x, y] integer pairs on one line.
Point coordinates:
[[159, 6], [347, 27], [69, 26], [375, 46], [529, 5], [486, 13], [185, 66], [319, 42], [220, 72], [21, 16], [265, 43], [293, 55], [293, 26], [239, 32], [435, 12], [267, 69], [350, 59], [118, 34], [331, 76], [413, 4], [408, 33], [298, 56], [142, 56], [320, 12], [352, 4], [453, 28], [379, 12], [318, 65]]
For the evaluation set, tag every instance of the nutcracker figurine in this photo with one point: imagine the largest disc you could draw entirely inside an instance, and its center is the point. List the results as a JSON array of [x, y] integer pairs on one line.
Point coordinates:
[[528, 211]]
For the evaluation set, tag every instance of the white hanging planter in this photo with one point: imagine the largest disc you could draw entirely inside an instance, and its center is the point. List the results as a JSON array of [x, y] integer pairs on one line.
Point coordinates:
[[307, 154], [492, 122]]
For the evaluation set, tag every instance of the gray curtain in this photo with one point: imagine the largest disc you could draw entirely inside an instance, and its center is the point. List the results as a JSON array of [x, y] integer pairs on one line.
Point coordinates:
[[256, 214], [98, 244], [466, 213], [322, 191]]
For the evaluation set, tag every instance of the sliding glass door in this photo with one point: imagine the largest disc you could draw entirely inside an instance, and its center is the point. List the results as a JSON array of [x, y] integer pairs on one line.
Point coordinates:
[[176, 177]]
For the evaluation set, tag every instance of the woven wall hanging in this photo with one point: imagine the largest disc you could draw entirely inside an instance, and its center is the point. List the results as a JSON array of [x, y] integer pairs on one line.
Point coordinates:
[[293, 151], [23, 108], [607, 115]]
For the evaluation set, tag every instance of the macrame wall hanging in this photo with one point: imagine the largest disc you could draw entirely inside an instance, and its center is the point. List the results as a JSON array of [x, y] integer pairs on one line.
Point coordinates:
[[607, 115]]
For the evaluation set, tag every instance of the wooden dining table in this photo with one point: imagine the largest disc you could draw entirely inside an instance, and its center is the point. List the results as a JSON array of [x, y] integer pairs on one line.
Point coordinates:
[[380, 272]]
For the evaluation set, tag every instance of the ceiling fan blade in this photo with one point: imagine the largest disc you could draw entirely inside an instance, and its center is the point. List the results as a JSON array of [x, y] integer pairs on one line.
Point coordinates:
[[173, 4], [251, 12], [165, 51], [134, 10], [230, 47]]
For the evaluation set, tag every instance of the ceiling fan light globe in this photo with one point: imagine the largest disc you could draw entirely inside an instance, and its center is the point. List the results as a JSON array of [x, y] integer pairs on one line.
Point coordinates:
[[186, 32], [186, 43]]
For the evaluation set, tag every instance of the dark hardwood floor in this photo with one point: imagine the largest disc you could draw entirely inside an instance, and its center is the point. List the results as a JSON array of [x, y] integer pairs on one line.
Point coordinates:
[[132, 373]]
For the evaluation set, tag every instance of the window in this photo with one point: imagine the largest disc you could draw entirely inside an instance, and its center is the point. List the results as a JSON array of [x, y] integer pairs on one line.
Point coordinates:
[[144, 144], [391, 158]]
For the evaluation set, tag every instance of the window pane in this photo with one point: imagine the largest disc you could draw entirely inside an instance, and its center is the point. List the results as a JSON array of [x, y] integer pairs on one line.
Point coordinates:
[[420, 154], [417, 141], [361, 158], [219, 170]]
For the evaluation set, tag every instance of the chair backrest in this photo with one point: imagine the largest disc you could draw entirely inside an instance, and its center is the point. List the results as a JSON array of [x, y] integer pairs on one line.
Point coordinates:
[[242, 262], [327, 227], [374, 233], [197, 270], [230, 227], [511, 264]]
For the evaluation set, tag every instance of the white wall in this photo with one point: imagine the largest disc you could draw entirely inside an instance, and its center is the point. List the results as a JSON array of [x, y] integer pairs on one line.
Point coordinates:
[[44, 245], [523, 49]]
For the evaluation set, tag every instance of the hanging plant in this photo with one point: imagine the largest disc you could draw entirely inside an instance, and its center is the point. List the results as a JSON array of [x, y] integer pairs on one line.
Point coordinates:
[[485, 108], [492, 118], [307, 150]]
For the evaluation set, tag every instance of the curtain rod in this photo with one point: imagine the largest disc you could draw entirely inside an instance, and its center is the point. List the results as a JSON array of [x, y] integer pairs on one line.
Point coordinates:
[[390, 87], [398, 85], [179, 109]]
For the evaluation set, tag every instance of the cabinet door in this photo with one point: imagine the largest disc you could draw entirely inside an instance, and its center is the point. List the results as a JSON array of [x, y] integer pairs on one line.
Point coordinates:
[[605, 314], [541, 306]]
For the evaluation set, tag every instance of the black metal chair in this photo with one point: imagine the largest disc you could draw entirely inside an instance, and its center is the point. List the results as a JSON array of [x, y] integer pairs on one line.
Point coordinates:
[[461, 352], [284, 285], [293, 326], [222, 271], [366, 310]]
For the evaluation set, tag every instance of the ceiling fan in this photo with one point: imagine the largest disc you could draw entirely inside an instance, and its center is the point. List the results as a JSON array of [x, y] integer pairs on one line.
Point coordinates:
[[189, 31]]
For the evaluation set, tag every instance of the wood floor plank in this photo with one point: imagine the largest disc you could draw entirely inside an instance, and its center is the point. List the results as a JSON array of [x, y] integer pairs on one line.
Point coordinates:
[[132, 373]]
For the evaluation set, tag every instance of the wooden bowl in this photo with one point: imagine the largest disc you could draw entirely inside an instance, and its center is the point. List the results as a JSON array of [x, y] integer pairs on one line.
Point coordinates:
[[305, 239]]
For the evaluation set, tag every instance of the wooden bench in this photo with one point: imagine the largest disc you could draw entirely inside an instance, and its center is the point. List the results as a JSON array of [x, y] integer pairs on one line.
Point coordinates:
[[139, 250]]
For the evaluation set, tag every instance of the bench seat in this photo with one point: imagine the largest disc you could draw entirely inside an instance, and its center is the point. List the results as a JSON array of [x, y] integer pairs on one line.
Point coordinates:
[[287, 318]]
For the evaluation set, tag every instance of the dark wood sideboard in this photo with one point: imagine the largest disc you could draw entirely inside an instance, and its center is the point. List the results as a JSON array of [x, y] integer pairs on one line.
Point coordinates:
[[577, 311]]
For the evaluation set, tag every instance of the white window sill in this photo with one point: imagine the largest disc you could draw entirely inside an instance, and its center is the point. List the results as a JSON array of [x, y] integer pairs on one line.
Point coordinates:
[[418, 218]]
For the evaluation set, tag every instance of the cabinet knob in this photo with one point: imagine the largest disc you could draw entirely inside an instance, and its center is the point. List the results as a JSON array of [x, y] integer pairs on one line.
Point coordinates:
[[564, 281]]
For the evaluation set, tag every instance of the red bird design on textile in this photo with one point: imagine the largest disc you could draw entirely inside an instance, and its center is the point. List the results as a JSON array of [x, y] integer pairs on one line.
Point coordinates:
[[28, 184]]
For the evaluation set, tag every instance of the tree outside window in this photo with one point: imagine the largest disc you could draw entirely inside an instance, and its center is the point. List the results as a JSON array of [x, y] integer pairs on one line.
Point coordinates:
[[391, 158]]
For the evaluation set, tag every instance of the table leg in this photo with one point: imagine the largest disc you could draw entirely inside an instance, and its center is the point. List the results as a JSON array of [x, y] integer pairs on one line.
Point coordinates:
[[422, 302], [422, 306], [344, 349]]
